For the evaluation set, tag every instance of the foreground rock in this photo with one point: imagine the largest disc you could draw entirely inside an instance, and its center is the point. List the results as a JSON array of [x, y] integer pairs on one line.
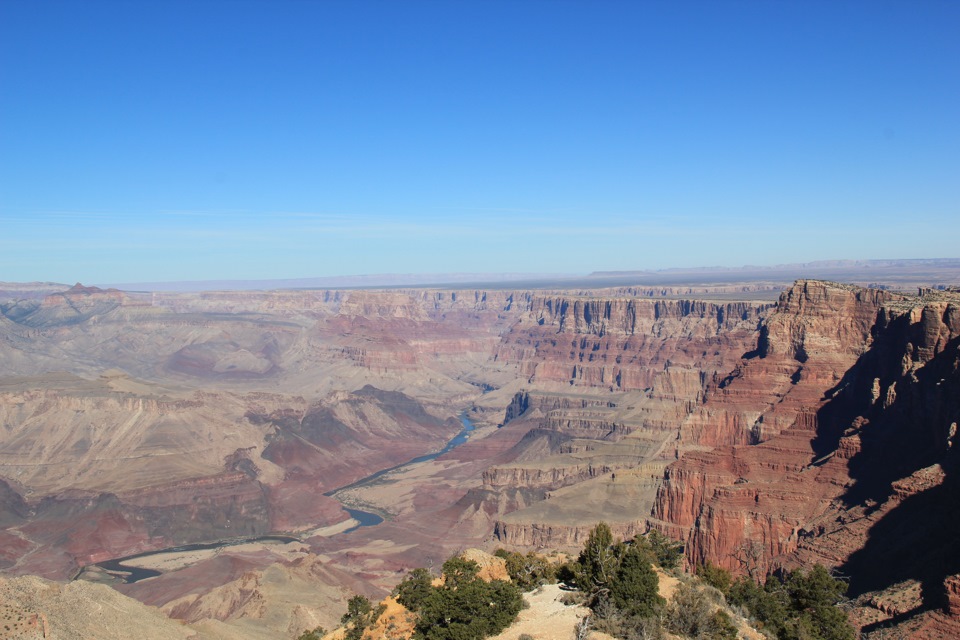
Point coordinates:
[[31, 607]]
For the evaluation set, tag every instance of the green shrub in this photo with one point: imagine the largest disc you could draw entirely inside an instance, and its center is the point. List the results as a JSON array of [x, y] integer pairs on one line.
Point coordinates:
[[620, 585], [721, 626], [718, 578], [567, 572], [663, 551], [528, 571], [414, 590], [598, 562], [635, 591], [466, 607], [816, 588], [314, 634], [690, 611], [358, 607], [360, 615], [629, 627], [801, 606]]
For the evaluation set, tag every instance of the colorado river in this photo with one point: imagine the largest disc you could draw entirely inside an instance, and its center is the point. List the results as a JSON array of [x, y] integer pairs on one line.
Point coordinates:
[[130, 574], [369, 519], [458, 440]]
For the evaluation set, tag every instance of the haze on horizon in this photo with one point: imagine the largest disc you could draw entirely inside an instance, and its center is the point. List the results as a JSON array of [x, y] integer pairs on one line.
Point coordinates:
[[183, 141]]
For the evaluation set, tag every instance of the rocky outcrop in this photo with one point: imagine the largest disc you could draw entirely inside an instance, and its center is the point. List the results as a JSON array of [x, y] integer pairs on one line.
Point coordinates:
[[517, 407], [73, 306], [872, 403], [36, 608], [586, 424], [242, 597], [491, 567], [554, 536], [815, 335], [547, 478], [952, 587]]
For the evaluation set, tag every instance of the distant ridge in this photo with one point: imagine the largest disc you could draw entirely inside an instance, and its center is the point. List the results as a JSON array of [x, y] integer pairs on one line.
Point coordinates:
[[944, 263], [338, 282], [887, 273], [892, 273]]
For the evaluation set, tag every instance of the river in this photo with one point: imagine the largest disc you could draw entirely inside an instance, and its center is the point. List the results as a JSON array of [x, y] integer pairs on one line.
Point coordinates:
[[131, 574], [369, 519]]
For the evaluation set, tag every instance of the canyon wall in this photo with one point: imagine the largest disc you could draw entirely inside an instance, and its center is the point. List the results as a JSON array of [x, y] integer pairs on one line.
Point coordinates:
[[855, 394], [609, 384], [625, 344]]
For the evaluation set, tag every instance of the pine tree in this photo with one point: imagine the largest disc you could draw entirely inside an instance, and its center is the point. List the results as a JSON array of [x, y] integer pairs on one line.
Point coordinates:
[[635, 591], [414, 590], [598, 562]]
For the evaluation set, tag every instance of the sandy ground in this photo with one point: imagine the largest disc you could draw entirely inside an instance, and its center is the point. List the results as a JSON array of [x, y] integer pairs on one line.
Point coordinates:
[[668, 584], [176, 560], [547, 618], [333, 529]]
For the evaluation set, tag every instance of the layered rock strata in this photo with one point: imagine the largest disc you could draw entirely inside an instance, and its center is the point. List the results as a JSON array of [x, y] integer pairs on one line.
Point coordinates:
[[856, 439]]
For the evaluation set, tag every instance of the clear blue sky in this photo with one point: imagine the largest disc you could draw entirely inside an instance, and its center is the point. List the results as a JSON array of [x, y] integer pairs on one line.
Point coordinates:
[[177, 140]]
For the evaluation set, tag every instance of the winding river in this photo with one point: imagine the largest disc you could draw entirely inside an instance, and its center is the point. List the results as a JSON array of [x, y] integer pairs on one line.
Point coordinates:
[[130, 574], [368, 519]]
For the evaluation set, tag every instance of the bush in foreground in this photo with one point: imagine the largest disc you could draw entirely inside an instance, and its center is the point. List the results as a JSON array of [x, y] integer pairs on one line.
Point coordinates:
[[528, 571], [464, 607], [799, 606]]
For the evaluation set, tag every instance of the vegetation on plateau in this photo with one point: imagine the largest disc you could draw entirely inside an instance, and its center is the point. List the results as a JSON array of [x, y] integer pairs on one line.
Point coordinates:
[[313, 634], [797, 605], [528, 571], [463, 607], [619, 582]]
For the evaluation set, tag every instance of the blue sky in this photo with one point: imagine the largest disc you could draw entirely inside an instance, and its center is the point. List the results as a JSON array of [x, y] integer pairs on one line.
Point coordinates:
[[146, 141]]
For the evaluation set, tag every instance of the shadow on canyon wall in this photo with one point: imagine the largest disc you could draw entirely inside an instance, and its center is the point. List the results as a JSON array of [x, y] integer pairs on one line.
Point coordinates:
[[901, 401]]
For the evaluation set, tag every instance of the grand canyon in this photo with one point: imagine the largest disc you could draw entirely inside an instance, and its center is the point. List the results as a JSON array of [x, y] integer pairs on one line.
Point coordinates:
[[285, 449], [479, 320]]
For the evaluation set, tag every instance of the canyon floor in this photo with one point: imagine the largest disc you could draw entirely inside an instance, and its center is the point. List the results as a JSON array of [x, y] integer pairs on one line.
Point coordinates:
[[765, 424]]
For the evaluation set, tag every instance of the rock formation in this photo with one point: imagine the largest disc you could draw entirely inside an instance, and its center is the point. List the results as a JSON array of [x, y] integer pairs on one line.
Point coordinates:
[[853, 449], [818, 429]]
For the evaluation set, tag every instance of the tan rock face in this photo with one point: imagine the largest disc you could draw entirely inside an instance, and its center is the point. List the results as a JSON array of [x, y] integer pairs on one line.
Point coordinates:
[[491, 567], [952, 586], [36, 608], [99, 473], [395, 623], [550, 536]]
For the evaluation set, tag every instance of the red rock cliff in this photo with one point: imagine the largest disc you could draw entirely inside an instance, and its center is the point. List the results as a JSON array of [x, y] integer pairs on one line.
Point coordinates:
[[855, 394], [626, 344]]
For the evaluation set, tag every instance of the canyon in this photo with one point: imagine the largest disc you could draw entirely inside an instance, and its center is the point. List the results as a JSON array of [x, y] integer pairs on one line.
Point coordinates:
[[766, 426]]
